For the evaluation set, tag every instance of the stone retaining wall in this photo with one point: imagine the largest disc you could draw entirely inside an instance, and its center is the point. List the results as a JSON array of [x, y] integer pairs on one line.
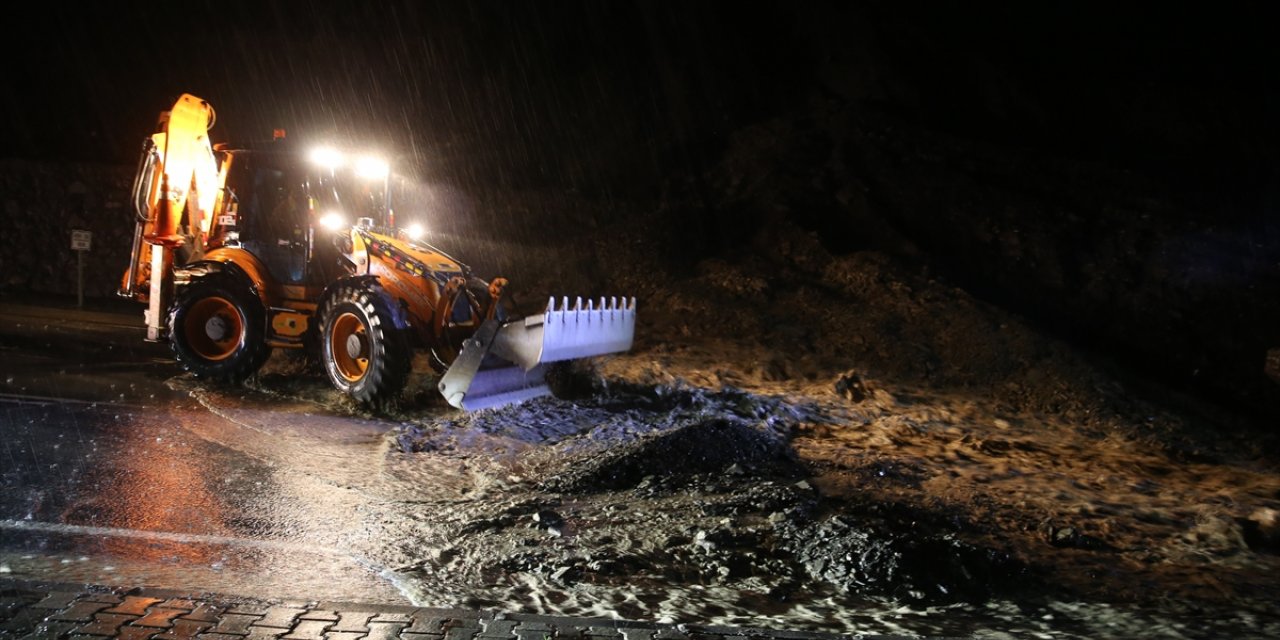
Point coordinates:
[[42, 202]]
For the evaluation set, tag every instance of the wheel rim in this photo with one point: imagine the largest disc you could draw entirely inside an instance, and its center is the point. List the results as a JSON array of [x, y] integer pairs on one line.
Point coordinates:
[[349, 344], [214, 328]]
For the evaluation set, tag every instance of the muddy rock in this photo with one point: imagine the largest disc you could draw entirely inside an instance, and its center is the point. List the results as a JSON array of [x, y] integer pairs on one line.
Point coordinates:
[[547, 518], [898, 557], [1262, 530], [1215, 534], [549, 521], [1068, 536], [852, 387]]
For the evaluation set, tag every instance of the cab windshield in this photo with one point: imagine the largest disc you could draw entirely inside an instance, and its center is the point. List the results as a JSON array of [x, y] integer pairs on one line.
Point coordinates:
[[348, 196], [286, 207]]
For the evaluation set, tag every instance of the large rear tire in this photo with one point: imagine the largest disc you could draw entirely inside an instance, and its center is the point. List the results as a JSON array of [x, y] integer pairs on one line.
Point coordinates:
[[364, 354], [217, 329]]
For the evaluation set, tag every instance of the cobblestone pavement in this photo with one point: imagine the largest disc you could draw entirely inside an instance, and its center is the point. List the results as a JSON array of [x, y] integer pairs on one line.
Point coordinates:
[[43, 612]]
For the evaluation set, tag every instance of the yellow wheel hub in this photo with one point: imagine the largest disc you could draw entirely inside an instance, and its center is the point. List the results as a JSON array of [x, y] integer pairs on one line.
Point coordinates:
[[349, 344], [213, 328]]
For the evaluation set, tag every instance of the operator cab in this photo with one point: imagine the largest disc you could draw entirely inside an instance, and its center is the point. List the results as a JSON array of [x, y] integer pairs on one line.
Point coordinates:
[[289, 210]]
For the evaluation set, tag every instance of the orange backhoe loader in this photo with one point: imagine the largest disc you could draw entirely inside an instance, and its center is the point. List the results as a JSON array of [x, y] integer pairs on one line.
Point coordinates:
[[241, 250]]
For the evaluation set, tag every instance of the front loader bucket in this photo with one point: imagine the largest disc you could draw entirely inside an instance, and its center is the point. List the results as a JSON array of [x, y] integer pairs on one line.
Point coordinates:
[[502, 363]]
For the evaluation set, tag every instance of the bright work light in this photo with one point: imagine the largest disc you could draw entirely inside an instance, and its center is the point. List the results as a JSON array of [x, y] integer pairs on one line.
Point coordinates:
[[327, 157], [372, 168], [333, 221]]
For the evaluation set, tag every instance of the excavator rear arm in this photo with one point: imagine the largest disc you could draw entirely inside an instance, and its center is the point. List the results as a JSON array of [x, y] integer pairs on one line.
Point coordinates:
[[187, 173], [178, 177]]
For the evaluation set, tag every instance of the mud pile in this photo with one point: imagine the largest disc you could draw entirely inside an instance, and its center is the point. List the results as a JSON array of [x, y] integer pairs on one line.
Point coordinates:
[[657, 489]]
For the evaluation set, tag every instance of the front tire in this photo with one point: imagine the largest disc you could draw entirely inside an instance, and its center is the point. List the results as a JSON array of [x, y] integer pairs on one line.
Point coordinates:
[[217, 329], [365, 355]]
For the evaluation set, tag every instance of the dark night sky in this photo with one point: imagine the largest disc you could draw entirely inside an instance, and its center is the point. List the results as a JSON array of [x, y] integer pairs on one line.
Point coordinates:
[[509, 84], [566, 93]]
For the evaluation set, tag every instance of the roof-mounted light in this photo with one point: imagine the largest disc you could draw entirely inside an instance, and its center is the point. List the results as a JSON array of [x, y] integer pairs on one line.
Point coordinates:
[[327, 157], [372, 168]]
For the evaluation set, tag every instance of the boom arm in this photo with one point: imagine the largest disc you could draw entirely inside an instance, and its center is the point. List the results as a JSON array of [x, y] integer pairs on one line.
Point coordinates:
[[186, 168], [178, 176]]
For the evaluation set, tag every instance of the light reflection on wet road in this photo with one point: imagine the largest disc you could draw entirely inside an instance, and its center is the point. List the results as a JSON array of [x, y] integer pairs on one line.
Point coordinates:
[[109, 477]]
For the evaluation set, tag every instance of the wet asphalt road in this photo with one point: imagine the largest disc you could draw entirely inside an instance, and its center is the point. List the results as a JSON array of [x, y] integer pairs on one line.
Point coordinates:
[[109, 476]]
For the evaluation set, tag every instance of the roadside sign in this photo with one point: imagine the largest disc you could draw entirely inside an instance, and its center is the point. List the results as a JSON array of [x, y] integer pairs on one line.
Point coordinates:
[[81, 240]]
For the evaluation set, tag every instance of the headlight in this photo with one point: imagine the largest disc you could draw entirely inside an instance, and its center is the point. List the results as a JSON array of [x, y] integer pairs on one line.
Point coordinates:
[[333, 221], [415, 231]]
